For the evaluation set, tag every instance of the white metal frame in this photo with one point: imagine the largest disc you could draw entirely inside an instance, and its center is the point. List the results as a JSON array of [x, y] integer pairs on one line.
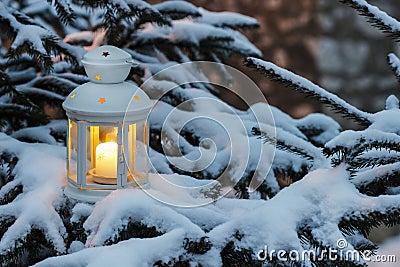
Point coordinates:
[[122, 169]]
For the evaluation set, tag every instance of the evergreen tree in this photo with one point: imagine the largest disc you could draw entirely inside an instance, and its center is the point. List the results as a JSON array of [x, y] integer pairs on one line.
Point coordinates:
[[40, 65], [369, 155]]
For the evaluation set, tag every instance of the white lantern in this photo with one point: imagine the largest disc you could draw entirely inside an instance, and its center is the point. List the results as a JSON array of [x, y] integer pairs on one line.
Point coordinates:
[[107, 142]]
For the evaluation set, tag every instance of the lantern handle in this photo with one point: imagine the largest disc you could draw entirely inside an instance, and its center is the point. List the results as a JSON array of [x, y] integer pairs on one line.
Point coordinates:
[[134, 63]]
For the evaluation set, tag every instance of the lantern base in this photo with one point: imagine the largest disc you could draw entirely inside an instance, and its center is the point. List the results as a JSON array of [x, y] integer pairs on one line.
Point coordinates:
[[91, 196], [102, 179]]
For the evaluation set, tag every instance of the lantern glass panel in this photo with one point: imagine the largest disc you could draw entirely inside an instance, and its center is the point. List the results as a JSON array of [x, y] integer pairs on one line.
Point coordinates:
[[102, 155], [136, 157], [72, 150]]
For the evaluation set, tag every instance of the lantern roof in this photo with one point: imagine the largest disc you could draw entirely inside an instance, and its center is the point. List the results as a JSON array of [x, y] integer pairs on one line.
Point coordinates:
[[107, 98], [95, 102]]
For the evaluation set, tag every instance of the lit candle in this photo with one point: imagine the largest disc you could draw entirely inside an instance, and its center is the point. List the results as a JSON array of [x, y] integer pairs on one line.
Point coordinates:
[[106, 159]]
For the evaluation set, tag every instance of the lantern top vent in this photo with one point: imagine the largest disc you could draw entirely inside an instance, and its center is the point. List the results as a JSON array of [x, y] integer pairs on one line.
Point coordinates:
[[107, 64], [107, 54]]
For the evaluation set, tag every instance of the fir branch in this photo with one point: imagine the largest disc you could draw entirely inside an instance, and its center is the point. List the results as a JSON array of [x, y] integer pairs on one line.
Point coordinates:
[[285, 144], [309, 241], [376, 17], [40, 46], [11, 195], [53, 84], [18, 116], [365, 161], [348, 153], [29, 250], [305, 86], [5, 223], [64, 11], [364, 222], [226, 19], [177, 10], [394, 63], [141, 11], [133, 229], [378, 181]]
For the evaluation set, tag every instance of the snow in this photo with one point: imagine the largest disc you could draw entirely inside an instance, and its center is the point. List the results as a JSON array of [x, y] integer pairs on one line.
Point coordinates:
[[380, 15], [42, 192], [112, 213], [387, 120], [242, 45], [42, 133], [394, 62], [351, 138], [226, 19], [133, 252], [224, 137], [329, 128], [321, 199], [392, 102], [177, 7], [367, 176], [183, 31], [81, 210]]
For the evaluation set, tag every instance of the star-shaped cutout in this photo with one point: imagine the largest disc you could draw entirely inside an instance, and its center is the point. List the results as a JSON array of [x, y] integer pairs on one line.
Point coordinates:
[[100, 156], [98, 77], [106, 54], [102, 100], [137, 98], [72, 96]]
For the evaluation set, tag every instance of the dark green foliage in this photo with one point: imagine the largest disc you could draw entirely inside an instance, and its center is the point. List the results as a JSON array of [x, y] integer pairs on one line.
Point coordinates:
[[199, 247], [235, 257], [7, 165], [75, 230], [28, 251], [365, 222], [11, 195], [5, 223], [283, 144], [20, 111], [64, 11], [176, 263], [380, 184], [134, 230]]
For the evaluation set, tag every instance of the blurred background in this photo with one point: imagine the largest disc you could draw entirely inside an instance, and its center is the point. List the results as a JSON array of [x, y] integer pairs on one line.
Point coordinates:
[[324, 41]]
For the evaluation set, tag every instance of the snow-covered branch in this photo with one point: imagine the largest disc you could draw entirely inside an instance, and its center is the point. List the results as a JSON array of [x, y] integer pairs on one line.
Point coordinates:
[[376, 17], [305, 86]]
